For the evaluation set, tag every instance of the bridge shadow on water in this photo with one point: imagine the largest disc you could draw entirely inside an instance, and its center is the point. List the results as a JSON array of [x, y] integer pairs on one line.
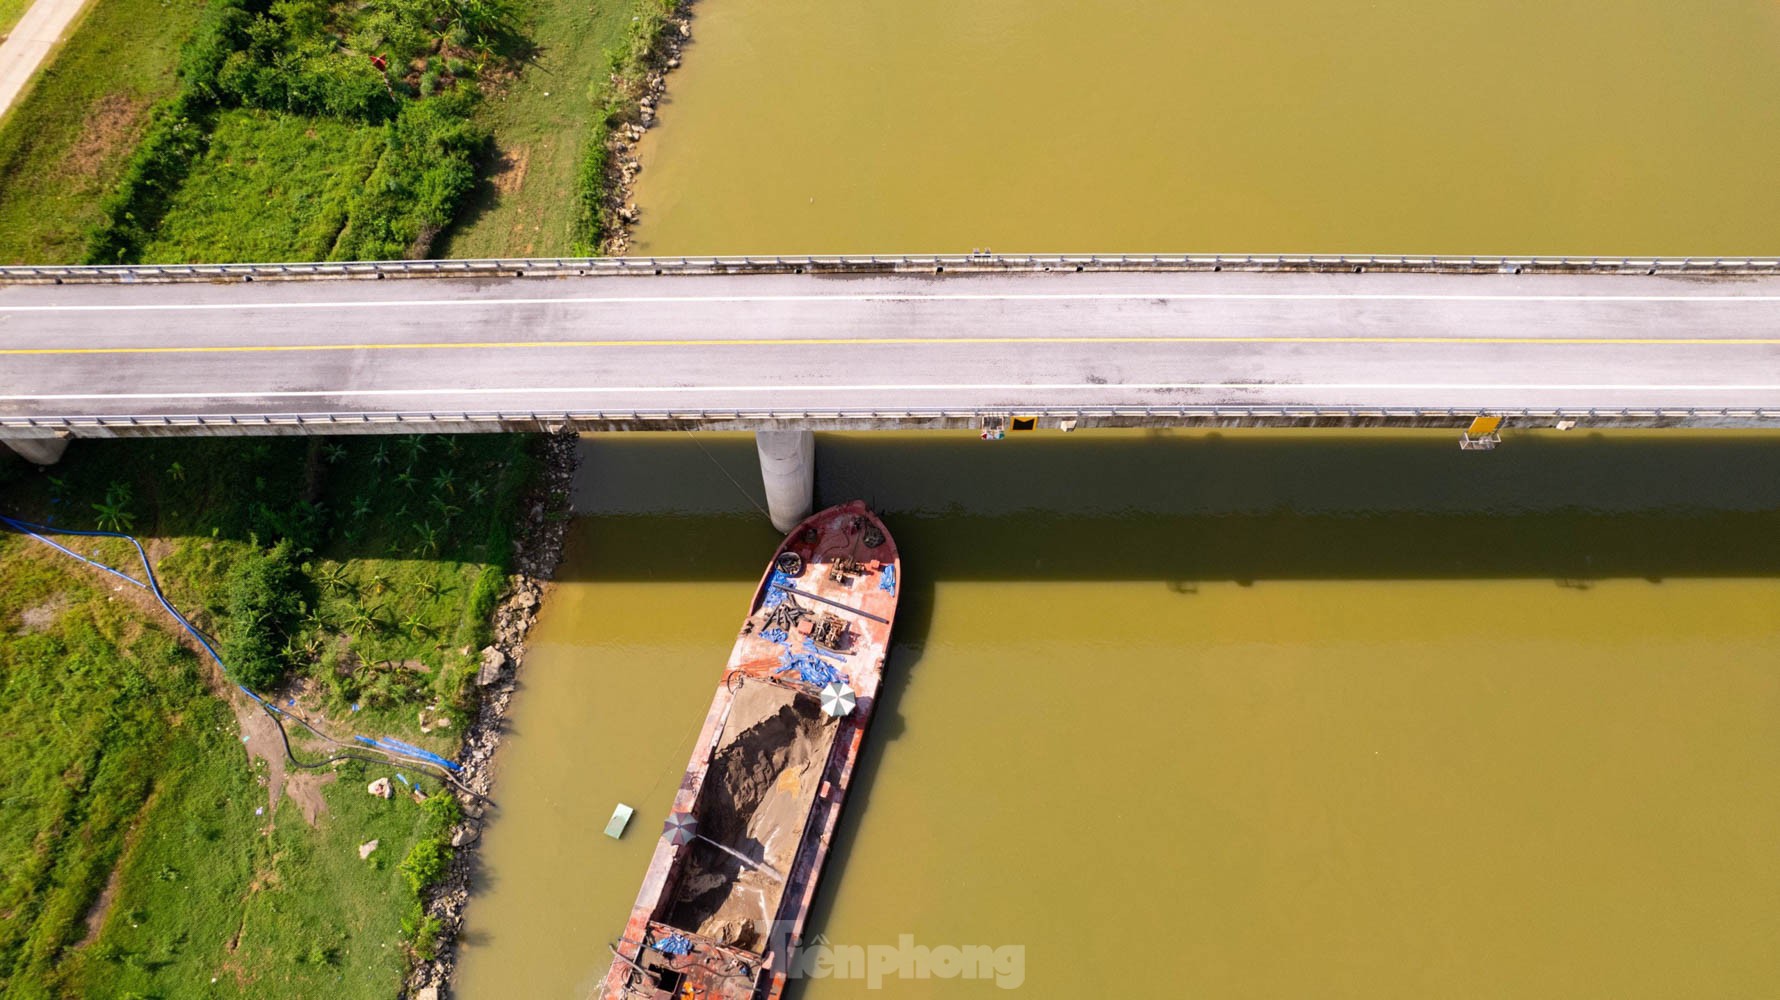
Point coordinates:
[[1238, 507], [1173, 507]]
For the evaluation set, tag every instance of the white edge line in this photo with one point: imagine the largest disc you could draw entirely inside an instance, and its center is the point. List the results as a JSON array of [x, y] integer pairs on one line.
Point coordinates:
[[931, 387], [887, 297]]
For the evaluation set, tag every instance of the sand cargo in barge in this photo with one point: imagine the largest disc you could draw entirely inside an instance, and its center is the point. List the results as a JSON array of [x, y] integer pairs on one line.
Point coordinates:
[[731, 881]]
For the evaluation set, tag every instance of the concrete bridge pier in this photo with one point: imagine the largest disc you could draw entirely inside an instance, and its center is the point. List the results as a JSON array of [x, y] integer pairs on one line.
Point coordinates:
[[40, 451], [788, 470]]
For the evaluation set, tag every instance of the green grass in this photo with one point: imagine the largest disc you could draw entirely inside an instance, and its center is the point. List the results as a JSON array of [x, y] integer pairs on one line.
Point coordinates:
[[289, 912], [87, 699], [541, 119], [113, 754], [65, 144], [10, 12], [270, 187]]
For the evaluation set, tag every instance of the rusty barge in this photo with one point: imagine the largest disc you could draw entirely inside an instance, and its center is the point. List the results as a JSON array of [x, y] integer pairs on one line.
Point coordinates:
[[730, 883]]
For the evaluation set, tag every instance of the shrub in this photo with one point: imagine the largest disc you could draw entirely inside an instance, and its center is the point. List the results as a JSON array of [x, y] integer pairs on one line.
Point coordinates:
[[426, 862], [428, 165], [627, 59], [174, 141], [443, 811], [262, 602]]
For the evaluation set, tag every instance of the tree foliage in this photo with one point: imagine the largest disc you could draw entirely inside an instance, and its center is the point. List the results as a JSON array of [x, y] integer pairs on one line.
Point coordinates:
[[263, 605]]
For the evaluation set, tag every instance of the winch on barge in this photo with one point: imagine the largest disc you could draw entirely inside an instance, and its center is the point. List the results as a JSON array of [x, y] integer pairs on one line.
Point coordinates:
[[724, 900]]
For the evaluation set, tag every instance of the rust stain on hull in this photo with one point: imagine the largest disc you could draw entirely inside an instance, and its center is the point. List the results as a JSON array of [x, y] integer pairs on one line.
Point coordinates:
[[719, 916]]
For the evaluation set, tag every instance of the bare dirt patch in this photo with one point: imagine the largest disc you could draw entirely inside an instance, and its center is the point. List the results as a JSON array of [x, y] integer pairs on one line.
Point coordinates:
[[304, 789], [111, 125], [101, 906], [260, 734], [41, 617], [509, 170]]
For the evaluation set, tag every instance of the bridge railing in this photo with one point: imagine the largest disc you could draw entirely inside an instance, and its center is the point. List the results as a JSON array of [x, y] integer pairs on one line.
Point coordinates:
[[416, 421], [886, 263]]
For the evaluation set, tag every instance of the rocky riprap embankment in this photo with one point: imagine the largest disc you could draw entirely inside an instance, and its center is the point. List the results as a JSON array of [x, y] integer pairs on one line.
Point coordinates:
[[622, 165], [537, 550]]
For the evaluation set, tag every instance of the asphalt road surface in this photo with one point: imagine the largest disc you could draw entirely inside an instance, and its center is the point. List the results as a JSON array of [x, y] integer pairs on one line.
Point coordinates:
[[890, 343]]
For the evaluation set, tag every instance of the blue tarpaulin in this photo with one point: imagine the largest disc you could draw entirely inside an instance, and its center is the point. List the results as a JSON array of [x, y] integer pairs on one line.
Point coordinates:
[[810, 647], [887, 579], [812, 669], [674, 944], [773, 594]]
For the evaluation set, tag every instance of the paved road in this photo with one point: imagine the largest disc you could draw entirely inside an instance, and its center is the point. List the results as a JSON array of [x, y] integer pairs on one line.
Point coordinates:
[[29, 42], [808, 342]]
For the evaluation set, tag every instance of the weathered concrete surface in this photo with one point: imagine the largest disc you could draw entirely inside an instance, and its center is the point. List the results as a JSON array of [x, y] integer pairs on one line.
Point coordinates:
[[37, 450], [788, 471], [787, 351]]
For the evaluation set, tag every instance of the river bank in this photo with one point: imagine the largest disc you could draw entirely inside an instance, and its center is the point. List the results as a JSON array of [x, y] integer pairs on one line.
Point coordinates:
[[538, 547], [154, 840], [638, 89]]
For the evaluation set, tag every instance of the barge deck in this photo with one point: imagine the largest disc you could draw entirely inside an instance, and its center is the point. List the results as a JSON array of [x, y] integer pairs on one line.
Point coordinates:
[[723, 903]]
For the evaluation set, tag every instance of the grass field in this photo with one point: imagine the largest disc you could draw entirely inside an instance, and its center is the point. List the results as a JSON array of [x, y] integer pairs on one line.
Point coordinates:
[[86, 704], [271, 187], [122, 768], [64, 145], [526, 201]]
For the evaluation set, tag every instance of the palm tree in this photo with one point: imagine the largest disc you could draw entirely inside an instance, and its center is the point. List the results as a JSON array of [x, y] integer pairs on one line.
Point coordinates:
[[332, 577], [113, 516], [360, 621], [445, 482], [428, 543]]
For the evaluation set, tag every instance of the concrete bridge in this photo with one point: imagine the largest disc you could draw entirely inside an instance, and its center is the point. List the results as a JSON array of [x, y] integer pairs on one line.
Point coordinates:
[[788, 345]]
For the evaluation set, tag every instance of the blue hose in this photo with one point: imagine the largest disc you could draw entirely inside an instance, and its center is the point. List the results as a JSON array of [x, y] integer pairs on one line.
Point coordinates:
[[390, 747]]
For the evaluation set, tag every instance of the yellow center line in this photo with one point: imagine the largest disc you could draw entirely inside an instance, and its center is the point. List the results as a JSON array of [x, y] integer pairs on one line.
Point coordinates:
[[894, 342]]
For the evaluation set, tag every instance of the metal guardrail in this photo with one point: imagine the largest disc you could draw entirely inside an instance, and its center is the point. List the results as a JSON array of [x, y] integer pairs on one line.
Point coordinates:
[[493, 420], [888, 263]]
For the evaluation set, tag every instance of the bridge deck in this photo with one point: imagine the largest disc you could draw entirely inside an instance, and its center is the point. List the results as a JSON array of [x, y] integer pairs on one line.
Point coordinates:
[[890, 344]]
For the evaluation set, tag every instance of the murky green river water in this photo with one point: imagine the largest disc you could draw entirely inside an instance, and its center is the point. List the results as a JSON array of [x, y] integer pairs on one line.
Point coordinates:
[[1213, 715], [1393, 126], [1267, 714]]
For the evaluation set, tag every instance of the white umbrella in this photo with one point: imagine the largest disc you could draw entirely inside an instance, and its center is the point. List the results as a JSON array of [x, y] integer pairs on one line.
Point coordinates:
[[838, 699], [680, 828]]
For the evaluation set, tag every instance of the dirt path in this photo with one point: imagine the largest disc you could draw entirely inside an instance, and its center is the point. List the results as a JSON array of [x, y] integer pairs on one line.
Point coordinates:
[[30, 43]]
